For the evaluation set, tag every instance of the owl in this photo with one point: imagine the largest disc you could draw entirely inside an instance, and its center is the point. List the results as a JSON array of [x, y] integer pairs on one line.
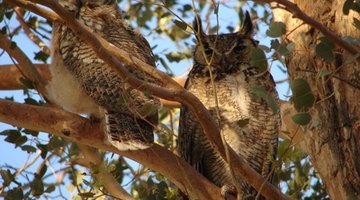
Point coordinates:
[[83, 83], [221, 78]]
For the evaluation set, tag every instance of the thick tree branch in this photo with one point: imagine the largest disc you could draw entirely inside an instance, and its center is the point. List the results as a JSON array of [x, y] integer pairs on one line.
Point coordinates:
[[170, 90], [297, 13], [82, 131]]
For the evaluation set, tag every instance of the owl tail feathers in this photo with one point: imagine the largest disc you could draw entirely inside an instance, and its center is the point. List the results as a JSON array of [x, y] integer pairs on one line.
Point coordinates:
[[125, 132]]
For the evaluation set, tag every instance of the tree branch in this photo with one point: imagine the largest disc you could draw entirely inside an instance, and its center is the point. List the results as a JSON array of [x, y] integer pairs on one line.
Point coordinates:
[[119, 60], [82, 131], [28, 70], [33, 37], [107, 180], [297, 13]]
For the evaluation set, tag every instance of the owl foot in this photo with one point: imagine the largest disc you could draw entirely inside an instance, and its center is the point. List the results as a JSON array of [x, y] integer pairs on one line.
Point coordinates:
[[125, 132], [228, 190]]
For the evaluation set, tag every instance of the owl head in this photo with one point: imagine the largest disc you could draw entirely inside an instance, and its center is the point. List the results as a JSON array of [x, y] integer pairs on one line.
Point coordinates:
[[223, 52]]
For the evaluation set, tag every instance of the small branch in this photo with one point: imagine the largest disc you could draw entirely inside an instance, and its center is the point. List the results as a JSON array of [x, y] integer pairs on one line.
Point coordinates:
[[297, 13], [10, 75], [27, 68], [33, 37], [106, 179]]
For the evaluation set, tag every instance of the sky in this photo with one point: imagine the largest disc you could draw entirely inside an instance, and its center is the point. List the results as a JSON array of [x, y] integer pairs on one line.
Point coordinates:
[[16, 157]]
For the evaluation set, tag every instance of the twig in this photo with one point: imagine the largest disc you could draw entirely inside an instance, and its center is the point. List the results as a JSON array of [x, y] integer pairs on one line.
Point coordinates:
[[29, 33], [106, 179], [297, 13]]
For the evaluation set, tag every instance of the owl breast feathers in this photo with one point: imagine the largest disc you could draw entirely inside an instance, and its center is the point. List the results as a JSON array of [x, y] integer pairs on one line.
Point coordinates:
[[84, 83], [247, 123]]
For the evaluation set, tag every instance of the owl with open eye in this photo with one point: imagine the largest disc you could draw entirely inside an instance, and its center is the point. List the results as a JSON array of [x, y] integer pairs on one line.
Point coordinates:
[[221, 78]]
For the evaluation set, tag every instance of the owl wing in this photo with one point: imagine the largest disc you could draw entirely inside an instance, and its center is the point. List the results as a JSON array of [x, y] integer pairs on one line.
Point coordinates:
[[190, 132]]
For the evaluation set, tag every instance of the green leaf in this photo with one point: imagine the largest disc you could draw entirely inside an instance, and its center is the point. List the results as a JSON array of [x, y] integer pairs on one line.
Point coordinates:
[[7, 177], [41, 56], [21, 140], [37, 186], [44, 150], [11, 138], [87, 194], [31, 132], [42, 171], [9, 132], [323, 72], [281, 49], [31, 101], [181, 24], [302, 95], [260, 92], [301, 118], [276, 29], [28, 148], [315, 123], [15, 194], [50, 189], [258, 58], [325, 50]]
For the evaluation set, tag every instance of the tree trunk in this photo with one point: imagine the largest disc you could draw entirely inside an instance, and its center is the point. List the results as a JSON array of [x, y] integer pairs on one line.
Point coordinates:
[[333, 145]]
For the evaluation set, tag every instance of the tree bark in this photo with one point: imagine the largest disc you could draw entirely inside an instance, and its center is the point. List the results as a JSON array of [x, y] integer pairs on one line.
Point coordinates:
[[333, 145]]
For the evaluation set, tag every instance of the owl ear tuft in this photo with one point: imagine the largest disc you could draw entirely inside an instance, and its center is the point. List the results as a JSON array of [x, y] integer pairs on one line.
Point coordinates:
[[247, 27], [197, 27]]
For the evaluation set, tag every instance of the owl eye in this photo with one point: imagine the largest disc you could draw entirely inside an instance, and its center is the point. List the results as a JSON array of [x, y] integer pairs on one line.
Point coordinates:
[[239, 48]]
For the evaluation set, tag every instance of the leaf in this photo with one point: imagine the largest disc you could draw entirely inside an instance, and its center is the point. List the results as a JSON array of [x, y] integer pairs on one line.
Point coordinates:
[[324, 50], [260, 92], [258, 58], [87, 194], [28, 148], [37, 186], [41, 56], [7, 177], [323, 72], [31, 132], [42, 171], [181, 24], [11, 138], [50, 189], [43, 149], [301, 118], [15, 194], [302, 95], [31, 101], [276, 29], [315, 123], [21, 140], [281, 49]]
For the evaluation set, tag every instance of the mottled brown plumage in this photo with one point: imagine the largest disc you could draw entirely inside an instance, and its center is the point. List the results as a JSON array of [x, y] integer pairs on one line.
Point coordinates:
[[247, 123], [83, 83]]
